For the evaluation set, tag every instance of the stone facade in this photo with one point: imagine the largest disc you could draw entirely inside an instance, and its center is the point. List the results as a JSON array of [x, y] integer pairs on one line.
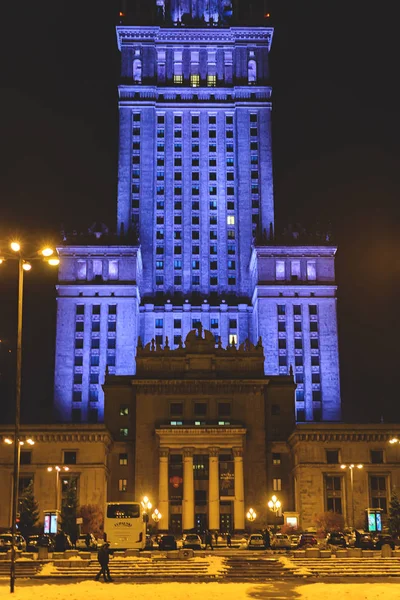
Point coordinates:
[[209, 413], [84, 451], [195, 189]]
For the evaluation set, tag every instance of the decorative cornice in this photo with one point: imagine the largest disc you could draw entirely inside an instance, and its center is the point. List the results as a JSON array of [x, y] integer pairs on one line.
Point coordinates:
[[199, 386], [201, 431], [158, 35], [340, 436]]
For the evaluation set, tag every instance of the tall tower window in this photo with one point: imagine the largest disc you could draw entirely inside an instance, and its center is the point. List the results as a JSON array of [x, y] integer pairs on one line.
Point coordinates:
[[137, 70]]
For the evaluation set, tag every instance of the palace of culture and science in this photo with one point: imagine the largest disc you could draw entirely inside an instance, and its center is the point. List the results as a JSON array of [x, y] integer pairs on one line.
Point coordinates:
[[195, 217], [196, 349]]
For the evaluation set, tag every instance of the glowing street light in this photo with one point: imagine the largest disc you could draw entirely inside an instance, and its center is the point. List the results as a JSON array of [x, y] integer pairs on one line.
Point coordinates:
[[24, 264], [156, 516], [57, 469], [275, 505], [394, 440], [146, 505], [351, 468], [251, 515]]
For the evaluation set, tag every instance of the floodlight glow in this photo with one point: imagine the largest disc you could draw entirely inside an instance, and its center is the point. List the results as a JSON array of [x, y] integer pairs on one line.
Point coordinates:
[[47, 251], [27, 266], [54, 262], [15, 246]]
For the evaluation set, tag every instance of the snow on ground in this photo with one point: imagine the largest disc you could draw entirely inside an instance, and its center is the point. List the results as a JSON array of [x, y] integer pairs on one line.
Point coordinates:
[[287, 563], [348, 591], [217, 564], [92, 590]]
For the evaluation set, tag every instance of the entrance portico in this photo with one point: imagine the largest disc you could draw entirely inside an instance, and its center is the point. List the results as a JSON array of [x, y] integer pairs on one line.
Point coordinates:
[[215, 443]]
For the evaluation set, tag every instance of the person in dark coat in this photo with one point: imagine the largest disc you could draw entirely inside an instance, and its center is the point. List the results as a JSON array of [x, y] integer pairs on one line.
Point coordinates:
[[209, 540], [60, 542], [103, 556], [267, 539], [229, 540], [88, 540]]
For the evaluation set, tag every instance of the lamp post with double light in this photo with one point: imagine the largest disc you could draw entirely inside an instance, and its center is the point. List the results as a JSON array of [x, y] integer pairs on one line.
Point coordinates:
[[251, 516], [351, 468], [15, 252], [275, 505], [146, 507], [57, 471]]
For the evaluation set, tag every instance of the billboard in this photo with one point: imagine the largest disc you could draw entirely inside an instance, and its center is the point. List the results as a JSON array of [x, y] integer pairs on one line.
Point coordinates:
[[175, 482], [226, 478]]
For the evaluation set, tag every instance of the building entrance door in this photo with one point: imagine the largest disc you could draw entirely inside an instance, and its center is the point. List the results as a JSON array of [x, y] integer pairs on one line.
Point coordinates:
[[175, 524], [225, 523], [200, 523]]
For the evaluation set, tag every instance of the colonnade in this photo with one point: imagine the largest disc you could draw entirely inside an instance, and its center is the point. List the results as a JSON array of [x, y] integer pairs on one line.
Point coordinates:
[[188, 501]]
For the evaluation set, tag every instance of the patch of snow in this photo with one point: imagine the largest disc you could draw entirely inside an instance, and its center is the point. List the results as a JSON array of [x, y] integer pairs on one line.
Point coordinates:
[[289, 564], [216, 564], [349, 591], [47, 569]]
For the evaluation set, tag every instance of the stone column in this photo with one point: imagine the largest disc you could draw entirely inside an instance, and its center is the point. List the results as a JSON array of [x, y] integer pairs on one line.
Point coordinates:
[[163, 503], [213, 489], [238, 507], [188, 490]]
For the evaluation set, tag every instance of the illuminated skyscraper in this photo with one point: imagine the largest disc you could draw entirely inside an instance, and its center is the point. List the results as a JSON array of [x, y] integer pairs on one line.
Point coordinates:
[[195, 221]]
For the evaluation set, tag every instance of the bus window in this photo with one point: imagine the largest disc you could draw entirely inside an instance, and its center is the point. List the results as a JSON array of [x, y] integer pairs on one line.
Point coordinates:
[[123, 511]]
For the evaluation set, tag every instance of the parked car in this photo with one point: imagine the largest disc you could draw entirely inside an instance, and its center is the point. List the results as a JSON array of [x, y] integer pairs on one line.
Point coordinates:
[[383, 538], [365, 542], [6, 542], [167, 542], [39, 541], [294, 541], [81, 542], [281, 541], [192, 540], [336, 538], [255, 541], [307, 540]]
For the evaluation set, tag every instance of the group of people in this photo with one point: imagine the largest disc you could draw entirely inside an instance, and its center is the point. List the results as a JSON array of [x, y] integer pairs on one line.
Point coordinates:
[[209, 536]]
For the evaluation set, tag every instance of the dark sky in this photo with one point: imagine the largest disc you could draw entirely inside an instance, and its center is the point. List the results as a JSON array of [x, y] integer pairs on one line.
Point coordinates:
[[336, 131]]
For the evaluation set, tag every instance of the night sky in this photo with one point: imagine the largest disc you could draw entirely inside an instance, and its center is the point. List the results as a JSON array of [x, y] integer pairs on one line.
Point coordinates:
[[336, 131]]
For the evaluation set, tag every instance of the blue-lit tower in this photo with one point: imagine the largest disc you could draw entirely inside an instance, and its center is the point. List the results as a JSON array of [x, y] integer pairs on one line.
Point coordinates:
[[195, 190]]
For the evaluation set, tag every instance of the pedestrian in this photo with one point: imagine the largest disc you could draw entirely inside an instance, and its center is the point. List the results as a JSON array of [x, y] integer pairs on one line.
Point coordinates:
[[103, 556], [60, 542], [358, 539], [267, 539], [88, 541], [209, 540], [229, 540]]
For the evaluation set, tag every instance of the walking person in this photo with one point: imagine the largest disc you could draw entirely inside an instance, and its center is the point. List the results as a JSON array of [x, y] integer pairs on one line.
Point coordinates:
[[103, 556], [229, 540], [209, 540], [267, 539]]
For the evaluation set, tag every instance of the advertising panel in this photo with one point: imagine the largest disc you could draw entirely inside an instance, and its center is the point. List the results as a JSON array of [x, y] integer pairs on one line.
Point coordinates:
[[175, 479], [226, 478]]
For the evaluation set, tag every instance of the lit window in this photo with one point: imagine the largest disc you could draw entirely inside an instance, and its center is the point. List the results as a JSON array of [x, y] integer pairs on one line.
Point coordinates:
[[123, 459], [211, 80], [311, 270], [232, 339], [230, 219], [178, 79], [124, 410], [123, 432], [280, 269], [122, 485], [195, 80], [295, 269], [276, 458], [277, 485]]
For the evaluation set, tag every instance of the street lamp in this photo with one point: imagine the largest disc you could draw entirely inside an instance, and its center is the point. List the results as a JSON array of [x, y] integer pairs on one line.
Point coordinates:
[[351, 469], [146, 505], [57, 469], [156, 516], [251, 515], [24, 264], [275, 505], [394, 440]]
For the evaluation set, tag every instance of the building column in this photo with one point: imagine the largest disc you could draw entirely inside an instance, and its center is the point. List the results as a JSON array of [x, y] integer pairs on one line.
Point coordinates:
[[188, 490], [238, 505], [163, 503], [213, 489]]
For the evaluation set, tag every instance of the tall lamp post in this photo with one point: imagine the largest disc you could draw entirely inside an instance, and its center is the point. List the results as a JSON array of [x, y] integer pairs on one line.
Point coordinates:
[[24, 264], [57, 469], [146, 506], [275, 505], [251, 516], [351, 468]]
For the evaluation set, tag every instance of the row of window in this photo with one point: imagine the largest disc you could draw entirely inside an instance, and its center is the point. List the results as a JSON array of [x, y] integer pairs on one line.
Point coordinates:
[[231, 250], [283, 270], [376, 456], [69, 457], [213, 279], [333, 488], [214, 323]]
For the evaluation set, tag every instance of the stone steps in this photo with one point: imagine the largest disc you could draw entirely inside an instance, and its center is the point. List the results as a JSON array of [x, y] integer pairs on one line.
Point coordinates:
[[255, 568], [22, 569], [337, 567], [136, 569]]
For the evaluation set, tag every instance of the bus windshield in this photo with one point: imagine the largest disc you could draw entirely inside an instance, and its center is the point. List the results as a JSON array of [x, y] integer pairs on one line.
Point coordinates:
[[123, 511]]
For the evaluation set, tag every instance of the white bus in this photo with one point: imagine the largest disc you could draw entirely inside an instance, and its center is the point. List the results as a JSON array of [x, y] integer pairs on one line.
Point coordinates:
[[124, 526]]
